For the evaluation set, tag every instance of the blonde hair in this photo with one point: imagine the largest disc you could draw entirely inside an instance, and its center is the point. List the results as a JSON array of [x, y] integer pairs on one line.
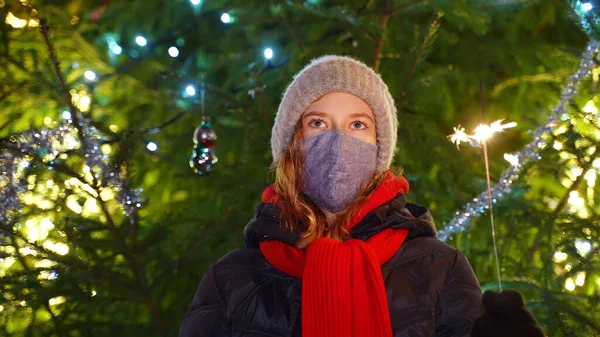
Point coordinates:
[[299, 213]]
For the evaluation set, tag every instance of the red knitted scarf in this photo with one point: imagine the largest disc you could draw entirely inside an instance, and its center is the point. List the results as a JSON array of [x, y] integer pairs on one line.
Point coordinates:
[[343, 293]]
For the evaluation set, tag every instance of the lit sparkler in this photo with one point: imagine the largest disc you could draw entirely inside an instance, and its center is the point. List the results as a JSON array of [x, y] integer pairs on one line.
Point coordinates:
[[482, 133]]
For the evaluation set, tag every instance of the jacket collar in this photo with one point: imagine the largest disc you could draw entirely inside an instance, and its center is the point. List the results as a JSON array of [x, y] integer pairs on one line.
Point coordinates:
[[265, 225]]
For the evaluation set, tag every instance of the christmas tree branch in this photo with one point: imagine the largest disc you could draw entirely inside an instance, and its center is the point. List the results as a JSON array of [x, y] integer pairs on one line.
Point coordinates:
[[383, 23], [259, 92], [433, 27], [558, 209], [45, 30], [407, 6]]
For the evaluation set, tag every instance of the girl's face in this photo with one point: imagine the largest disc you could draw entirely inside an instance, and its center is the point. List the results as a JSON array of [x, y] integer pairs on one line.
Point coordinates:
[[342, 111]]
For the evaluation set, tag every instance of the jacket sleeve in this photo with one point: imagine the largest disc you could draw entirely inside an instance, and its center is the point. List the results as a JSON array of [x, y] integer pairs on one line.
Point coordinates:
[[459, 302], [205, 315]]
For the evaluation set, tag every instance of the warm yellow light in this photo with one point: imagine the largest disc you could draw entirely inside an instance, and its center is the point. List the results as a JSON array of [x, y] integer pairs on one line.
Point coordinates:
[[107, 194], [558, 146], [568, 267], [73, 205], [569, 284], [46, 223], [106, 149], [57, 300], [113, 128], [590, 177], [580, 279], [27, 251], [57, 247], [48, 120], [45, 263], [590, 107], [33, 234], [94, 293], [15, 22], [583, 247], [23, 303], [91, 207], [575, 200], [483, 132], [84, 103], [560, 130], [1, 308]]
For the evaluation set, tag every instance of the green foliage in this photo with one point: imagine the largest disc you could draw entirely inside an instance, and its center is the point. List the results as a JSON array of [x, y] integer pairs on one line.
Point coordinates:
[[136, 278]]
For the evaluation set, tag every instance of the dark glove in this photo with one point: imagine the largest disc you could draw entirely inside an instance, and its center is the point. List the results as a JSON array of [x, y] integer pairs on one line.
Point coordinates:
[[505, 316]]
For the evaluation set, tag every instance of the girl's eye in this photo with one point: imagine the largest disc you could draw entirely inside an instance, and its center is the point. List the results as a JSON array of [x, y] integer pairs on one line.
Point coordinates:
[[317, 123], [358, 125]]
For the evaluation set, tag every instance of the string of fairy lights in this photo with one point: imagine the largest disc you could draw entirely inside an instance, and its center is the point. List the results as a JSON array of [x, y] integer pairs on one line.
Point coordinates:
[[75, 132], [17, 157]]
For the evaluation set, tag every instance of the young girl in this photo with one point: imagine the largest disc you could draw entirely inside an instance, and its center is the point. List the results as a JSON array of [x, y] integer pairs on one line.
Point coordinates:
[[334, 248]]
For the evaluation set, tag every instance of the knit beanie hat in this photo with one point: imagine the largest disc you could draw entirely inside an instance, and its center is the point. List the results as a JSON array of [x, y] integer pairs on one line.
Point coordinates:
[[505, 315], [332, 73]]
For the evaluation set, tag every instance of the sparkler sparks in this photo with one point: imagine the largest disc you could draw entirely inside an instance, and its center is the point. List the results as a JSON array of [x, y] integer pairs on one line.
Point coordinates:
[[482, 133]]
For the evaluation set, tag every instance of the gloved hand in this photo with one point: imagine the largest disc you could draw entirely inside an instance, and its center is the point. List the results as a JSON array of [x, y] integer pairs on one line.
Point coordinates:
[[505, 316]]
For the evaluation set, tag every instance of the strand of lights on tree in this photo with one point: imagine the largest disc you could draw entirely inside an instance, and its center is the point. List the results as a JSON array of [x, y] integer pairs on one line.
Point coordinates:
[[268, 53], [225, 18], [173, 51], [479, 205]]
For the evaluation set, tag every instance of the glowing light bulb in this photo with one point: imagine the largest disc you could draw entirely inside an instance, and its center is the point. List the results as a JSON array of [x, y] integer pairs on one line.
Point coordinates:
[[117, 50], [173, 51], [90, 75], [190, 90], [152, 146], [558, 145], [575, 200], [560, 257], [57, 300], [569, 284], [583, 247], [587, 6], [225, 18], [140, 40], [268, 53], [590, 107]]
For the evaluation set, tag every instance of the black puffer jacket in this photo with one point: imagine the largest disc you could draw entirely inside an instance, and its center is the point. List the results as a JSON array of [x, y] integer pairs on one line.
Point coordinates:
[[431, 288]]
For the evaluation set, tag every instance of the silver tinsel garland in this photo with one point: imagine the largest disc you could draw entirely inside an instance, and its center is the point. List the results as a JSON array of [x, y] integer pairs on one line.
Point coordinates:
[[480, 204], [18, 151]]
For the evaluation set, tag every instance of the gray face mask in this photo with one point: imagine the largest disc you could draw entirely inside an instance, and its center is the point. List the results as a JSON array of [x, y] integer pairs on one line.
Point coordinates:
[[336, 165]]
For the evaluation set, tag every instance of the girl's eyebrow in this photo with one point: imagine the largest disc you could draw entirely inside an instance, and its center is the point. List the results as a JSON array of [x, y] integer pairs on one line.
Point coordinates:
[[314, 113], [362, 114], [323, 114]]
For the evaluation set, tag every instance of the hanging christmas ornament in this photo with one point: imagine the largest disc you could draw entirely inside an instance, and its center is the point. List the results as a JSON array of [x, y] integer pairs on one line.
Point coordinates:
[[204, 158]]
